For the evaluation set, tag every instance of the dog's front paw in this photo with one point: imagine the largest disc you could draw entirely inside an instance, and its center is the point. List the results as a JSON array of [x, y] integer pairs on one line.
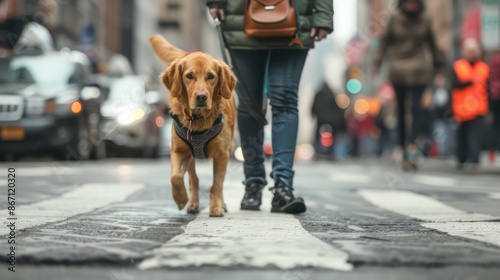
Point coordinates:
[[193, 207], [180, 198], [216, 212]]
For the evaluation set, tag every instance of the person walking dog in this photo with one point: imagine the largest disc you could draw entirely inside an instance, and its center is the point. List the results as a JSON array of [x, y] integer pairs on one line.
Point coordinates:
[[268, 54]]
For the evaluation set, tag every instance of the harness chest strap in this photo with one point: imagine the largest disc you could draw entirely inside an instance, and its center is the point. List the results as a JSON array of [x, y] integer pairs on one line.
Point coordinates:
[[198, 140]]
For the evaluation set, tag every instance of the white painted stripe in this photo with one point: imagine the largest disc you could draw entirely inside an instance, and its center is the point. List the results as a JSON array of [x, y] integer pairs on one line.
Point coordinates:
[[247, 238], [434, 180], [495, 195], [354, 167], [52, 169], [488, 232], [78, 201], [350, 178], [419, 206], [437, 215], [328, 207]]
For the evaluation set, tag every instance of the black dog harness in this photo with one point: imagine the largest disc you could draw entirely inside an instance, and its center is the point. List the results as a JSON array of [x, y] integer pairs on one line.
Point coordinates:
[[198, 140]]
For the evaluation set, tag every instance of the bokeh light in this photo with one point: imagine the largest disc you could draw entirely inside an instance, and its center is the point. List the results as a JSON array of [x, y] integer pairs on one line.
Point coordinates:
[[238, 154], [375, 107], [361, 106], [343, 101], [305, 152], [354, 86], [76, 107], [138, 113], [159, 121], [326, 139]]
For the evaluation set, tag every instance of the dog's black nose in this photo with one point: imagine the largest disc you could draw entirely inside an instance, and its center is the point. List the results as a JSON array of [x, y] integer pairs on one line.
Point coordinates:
[[201, 97]]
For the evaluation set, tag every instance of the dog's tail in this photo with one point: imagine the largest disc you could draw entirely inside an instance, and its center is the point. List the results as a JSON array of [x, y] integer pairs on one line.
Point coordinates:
[[164, 50]]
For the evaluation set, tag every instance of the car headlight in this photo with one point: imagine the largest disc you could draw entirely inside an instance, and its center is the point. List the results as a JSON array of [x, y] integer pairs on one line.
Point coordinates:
[[74, 107], [65, 104], [128, 116], [35, 106]]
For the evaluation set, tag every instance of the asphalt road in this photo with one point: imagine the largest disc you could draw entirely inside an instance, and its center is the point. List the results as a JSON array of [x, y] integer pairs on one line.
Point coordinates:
[[116, 219]]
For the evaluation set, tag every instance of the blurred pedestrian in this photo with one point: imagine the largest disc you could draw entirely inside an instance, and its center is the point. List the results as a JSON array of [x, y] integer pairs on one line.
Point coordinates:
[[443, 121], [361, 126], [406, 41], [495, 99], [469, 83], [386, 124], [331, 125], [271, 65]]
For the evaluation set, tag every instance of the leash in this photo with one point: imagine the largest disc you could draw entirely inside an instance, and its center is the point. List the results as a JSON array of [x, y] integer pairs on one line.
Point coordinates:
[[258, 115]]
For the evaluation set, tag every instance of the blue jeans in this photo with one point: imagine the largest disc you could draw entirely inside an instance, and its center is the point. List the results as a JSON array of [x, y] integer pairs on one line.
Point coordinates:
[[285, 70]]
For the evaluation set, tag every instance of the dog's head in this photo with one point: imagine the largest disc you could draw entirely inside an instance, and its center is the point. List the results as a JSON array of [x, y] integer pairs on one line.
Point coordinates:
[[199, 80]]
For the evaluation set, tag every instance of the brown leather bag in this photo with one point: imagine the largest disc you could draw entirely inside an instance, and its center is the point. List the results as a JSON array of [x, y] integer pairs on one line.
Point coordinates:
[[270, 18]]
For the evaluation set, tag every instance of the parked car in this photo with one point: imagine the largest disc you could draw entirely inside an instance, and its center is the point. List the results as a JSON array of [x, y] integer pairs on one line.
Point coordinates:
[[132, 117], [46, 106]]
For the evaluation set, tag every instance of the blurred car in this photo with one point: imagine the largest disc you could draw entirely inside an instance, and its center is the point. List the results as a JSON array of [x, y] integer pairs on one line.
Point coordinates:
[[132, 117], [166, 135], [47, 107]]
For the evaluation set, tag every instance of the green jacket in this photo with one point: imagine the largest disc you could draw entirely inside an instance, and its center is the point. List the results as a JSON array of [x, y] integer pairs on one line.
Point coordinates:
[[313, 13]]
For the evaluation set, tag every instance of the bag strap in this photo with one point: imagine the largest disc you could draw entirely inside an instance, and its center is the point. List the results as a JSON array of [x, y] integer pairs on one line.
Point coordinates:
[[296, 40], [258, 115], [297, 13]]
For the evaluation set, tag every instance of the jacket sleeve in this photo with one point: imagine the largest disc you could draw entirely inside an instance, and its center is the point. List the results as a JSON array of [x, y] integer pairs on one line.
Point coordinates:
[[456, 83], [437, 54], [219, 3], [323, 14], [385, 41]]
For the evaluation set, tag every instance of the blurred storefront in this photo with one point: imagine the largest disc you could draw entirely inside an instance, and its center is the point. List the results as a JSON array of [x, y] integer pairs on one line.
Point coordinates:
[[98, 28], [102, 28], [481, 20]]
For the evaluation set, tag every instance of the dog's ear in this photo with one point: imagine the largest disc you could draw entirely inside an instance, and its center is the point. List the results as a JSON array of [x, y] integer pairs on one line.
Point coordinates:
[[227, 80], [172, 78]]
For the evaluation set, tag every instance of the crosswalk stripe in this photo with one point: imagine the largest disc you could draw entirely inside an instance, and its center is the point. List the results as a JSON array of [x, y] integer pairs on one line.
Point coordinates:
[[340, 177], [254, 239], [81, 200], [495, 195], [488, 232], [435, 180], [419, 206], [437, 215]]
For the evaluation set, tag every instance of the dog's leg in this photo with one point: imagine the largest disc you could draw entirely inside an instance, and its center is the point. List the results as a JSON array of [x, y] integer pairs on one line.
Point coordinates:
[[194, 201], [216, 200], [179, 164]]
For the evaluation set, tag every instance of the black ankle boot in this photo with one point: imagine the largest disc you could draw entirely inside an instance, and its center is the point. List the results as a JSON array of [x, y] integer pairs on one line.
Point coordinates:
[[284, 201], [253, 196]]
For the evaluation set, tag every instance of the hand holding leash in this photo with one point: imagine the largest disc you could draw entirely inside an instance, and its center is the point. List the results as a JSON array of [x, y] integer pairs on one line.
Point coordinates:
[[217, 13], [319, 33]]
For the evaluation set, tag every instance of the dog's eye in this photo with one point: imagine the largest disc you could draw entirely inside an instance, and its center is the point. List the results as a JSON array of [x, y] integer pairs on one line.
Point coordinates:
[[211, 77], [190, 76]]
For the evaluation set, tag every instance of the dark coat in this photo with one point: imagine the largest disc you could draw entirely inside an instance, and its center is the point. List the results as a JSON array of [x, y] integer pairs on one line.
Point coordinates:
[[407, 42], [327, 111]]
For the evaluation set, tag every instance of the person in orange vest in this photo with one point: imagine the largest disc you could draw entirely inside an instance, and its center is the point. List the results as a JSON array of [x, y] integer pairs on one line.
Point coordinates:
[[470, 86]]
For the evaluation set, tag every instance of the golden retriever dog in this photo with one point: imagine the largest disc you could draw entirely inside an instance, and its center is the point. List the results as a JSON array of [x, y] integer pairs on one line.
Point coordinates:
[[204, 112]]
